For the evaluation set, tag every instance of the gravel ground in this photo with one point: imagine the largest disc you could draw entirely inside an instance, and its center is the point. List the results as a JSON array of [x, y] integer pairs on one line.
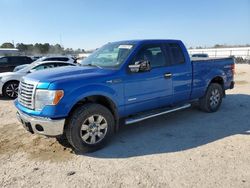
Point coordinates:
[[183, 149]]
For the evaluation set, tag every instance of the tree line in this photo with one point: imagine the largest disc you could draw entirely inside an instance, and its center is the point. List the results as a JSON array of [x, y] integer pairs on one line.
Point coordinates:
[[39, 48]]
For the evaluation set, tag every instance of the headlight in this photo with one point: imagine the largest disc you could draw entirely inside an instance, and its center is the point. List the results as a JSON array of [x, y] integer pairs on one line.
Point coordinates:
[[47, 97]]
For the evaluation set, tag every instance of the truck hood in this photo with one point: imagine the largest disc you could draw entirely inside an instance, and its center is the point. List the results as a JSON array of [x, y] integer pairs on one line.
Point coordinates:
[[67, 73]]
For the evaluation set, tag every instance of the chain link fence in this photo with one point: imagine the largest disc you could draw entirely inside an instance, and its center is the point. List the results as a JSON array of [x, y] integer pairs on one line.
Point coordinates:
[[241, 55]]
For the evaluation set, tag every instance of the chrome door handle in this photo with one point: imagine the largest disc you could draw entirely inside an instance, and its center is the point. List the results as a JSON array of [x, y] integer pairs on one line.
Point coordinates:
[[167, 75]]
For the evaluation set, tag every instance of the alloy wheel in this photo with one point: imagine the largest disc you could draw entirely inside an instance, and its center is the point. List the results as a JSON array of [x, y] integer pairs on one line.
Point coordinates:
[[214, 98], [12, 90], [94, 129]]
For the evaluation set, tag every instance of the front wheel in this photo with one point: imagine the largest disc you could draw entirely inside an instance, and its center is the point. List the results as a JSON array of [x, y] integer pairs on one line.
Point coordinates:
[[90, 127], [10, 89], [211, 101]]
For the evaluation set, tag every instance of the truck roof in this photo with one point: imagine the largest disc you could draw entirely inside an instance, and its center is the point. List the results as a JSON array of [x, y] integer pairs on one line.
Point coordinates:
[[149, 40]]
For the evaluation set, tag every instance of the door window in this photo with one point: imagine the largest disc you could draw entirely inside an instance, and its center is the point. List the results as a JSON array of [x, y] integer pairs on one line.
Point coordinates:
[[44, 66], [57, 59], [62, 64], [3, 60], [17, 60], [152, 53]]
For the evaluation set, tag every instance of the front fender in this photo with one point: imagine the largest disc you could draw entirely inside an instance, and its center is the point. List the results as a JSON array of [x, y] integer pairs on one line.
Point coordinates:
[[81, 93], [71, 98]]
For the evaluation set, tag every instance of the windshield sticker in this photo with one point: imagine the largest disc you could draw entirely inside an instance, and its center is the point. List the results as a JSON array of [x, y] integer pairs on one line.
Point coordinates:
[[124, 46]]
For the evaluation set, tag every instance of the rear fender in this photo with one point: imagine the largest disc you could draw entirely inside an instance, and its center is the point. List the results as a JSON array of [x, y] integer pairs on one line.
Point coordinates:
[[213, 74]]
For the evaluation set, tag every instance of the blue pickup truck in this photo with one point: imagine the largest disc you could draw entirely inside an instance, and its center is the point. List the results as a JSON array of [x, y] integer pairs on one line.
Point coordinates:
[[121, 83]]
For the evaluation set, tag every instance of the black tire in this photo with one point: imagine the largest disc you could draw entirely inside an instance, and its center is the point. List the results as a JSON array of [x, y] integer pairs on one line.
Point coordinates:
[[62, 139], [211, 102], [10, 89], [80, 116]]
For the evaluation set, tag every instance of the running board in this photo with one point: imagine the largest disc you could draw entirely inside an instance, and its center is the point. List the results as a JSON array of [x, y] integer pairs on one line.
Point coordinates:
[[142, 117]]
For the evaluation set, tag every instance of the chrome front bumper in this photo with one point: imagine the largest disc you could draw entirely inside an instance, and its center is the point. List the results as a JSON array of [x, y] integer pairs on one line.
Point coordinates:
[[39, 125]]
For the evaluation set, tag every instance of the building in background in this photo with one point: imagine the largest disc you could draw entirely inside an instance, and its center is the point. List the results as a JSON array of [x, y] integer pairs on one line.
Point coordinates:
[[9, 51]]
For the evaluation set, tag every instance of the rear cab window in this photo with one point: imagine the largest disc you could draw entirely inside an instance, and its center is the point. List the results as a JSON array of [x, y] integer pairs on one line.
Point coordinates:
[[175, 52]]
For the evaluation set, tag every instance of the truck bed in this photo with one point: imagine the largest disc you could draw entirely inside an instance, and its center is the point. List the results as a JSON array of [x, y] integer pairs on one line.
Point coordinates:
[[205, 68], [211, 59]]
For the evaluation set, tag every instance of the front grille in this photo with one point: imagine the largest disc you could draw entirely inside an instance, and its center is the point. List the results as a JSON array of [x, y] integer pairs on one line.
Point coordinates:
[[26, 93]]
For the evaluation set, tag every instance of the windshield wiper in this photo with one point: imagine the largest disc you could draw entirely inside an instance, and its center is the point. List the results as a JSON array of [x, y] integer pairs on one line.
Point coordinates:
[[93, 65]]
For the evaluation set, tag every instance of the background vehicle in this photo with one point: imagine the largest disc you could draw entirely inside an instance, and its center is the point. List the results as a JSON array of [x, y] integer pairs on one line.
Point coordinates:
[[199, 55], [8, 63], [9, 81], [34, 58], [122, 82], [51, 58], [57, 58]]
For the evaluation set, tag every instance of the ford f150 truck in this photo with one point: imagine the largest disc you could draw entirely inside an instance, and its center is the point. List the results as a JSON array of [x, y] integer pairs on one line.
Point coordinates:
[[120, 83]]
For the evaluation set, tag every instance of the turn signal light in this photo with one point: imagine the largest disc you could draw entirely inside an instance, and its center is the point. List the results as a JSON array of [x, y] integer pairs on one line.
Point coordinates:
[[58, 96]]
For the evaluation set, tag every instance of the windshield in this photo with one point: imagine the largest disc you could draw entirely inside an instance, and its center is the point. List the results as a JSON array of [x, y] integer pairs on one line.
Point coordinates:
[[28, 67], [110, 55]]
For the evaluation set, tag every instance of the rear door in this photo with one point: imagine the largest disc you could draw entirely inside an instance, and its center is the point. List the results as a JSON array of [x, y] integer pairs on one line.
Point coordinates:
[[152, 89], [181, 72]]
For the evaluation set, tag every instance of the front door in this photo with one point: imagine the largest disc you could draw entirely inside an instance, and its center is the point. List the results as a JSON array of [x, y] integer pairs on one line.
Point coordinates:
[[152, 89]]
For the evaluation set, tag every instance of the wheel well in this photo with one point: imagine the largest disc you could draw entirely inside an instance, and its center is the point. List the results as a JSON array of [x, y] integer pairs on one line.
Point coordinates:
[[218, 80], [99, 99]]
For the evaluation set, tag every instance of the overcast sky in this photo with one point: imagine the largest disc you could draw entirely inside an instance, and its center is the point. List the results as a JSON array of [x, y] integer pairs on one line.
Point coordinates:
[[89, 24]]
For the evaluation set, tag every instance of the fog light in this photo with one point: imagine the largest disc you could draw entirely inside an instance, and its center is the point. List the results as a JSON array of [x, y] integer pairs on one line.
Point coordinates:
[[39, 128]]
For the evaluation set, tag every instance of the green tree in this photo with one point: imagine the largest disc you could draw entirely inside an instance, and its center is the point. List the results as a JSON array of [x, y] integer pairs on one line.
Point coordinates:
[[21, 47], [45, 48], [7, 45]]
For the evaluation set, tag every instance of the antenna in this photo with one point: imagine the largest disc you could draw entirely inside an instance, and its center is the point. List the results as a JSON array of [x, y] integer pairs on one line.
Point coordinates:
[[60, 40]]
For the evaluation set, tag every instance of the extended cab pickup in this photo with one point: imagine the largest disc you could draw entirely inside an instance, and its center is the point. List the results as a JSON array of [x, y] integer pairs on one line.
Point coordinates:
[[120, 83]]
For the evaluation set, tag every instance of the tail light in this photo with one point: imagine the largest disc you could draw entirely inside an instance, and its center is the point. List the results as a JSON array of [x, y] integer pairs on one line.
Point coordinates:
[[233, 68]]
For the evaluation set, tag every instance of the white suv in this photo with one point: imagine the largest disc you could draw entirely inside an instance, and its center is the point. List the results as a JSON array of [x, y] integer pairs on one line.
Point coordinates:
[[9, 81], [49, 58]]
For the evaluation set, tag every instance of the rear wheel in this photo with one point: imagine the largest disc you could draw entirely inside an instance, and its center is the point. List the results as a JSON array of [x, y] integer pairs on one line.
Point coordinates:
[[90, 127], [10, 89], [211, 101]]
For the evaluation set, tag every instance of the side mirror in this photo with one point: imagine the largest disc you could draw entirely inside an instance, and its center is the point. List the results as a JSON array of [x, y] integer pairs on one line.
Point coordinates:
[[140, 66]]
